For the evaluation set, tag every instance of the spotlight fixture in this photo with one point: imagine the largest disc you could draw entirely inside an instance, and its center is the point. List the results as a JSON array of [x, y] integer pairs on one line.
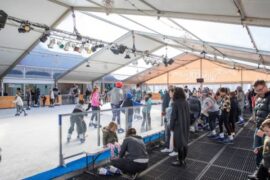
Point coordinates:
[[77, 49], [60, 44], [94, 48], [3, 19], [44, 37], [165, 62], [100, 45], [170, 62], [203, 52], [24, 27], [127, 56], [78, 36], [88, 50], [67, 46], [122, 49], [115, 50], [52, 43]]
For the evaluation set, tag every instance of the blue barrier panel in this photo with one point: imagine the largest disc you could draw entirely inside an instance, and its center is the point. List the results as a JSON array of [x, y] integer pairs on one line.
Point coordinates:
[[81, 163]]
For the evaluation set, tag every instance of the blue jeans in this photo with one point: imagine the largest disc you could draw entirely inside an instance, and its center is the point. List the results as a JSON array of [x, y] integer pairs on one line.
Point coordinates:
[[116, 112], [258, 141], [130, 118]]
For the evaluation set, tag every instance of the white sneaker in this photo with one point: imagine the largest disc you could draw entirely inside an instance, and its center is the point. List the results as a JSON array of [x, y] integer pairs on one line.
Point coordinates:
[[166, 150], [173, 154]]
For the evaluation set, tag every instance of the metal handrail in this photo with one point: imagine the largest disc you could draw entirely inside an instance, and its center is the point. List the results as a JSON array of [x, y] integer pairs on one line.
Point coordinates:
[[61, 155]]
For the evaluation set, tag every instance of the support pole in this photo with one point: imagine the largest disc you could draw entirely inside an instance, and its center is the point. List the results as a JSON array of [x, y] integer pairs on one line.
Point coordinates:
[[242, 78], [61, 156], [168, 79], [201, 73], [98, 126], [2, 87]]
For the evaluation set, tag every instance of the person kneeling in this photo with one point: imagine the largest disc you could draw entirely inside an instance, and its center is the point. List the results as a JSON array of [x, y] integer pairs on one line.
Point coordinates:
[[133, 155], [110, 139]]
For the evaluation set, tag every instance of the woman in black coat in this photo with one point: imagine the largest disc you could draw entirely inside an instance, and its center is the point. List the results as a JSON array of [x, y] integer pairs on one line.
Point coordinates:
[[179, 124]]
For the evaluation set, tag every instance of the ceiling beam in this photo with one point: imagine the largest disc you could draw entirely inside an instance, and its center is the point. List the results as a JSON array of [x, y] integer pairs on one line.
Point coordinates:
[[158, 47], [26, 52], [199, 43], [186, 30], [254, 21], [242, 13], [92, 56]]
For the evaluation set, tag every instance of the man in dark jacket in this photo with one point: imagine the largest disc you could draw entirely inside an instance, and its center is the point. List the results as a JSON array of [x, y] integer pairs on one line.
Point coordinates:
[[179, 124], [165, 104], [133, 155], [263, 110], [129, 103], [195, 108]]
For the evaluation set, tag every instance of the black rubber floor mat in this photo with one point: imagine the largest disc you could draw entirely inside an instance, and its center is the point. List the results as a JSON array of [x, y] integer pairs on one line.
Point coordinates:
[[167, 171], [213, 173], [203, 151], [238, 159]]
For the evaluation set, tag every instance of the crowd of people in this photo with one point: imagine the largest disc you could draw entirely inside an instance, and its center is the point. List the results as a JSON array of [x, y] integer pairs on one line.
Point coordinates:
[[33, 98], [184, 111]]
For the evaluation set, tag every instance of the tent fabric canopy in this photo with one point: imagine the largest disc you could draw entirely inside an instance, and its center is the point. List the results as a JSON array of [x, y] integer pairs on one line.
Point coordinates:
[[231, 32]]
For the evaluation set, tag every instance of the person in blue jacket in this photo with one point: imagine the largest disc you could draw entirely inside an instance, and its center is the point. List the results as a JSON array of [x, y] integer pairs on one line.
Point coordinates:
[[128, 102]]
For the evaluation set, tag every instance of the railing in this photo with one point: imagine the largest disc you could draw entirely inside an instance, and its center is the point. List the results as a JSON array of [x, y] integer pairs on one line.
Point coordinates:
[[74, 148]]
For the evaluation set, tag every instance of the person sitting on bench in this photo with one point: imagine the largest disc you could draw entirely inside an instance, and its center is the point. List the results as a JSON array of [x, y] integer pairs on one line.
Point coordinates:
[[133, 155]]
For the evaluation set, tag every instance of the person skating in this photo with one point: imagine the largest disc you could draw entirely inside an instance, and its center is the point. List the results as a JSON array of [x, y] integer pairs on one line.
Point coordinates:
[[19, 105], [78, 119]]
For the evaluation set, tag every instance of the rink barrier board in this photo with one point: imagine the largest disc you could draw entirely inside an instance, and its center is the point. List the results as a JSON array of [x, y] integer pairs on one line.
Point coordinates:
[[80, 163]]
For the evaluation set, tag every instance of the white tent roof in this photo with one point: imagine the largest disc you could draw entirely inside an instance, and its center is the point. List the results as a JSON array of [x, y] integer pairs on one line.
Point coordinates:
[[182, 24], [43, 12]]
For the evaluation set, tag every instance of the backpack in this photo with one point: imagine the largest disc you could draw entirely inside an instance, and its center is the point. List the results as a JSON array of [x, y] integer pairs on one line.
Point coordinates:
[[194, 104]]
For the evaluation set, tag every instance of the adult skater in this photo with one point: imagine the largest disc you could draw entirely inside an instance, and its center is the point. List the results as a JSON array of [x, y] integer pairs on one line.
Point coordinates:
[[117, 97]]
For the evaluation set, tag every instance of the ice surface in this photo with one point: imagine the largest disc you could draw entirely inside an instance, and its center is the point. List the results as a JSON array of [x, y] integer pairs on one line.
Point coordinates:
[[30, 144]]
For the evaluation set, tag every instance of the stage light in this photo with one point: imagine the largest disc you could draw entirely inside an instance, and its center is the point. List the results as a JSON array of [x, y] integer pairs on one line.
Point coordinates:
[[77, 49], [94, 48], [44, 37], [88, 50], [122, 49], [165, 62], [100, 45], [115, 50], [3, 19], [52, 43], [60, 45], [67, 46], [171, 61], [127, 56], [24, 27]]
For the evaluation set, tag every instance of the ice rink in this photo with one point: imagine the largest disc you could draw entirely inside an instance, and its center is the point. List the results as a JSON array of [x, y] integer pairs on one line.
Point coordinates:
[[30, 144]]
